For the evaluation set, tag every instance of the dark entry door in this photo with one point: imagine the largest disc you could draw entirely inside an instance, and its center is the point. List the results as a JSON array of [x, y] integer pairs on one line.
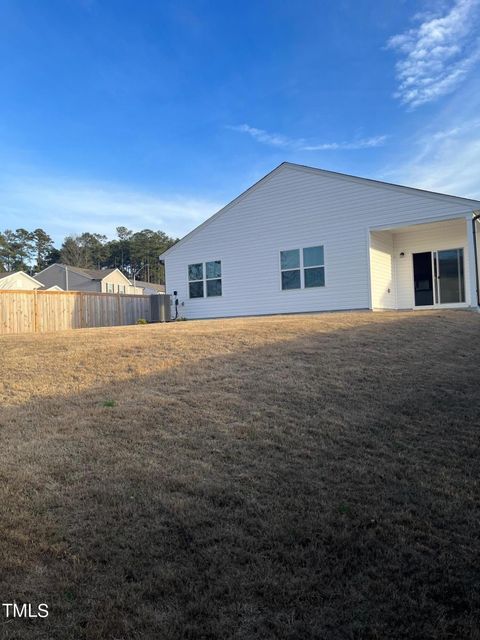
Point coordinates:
[[423, 278]]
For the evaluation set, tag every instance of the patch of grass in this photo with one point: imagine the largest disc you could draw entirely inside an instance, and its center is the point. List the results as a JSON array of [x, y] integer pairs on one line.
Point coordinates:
[[109, 403], [289, 477]]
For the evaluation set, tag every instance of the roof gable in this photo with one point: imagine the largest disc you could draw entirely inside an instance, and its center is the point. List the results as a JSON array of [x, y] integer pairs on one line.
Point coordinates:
[[91, 274], [469, 204], [226, 208], [110, 271], [11, 274], [63, 267]]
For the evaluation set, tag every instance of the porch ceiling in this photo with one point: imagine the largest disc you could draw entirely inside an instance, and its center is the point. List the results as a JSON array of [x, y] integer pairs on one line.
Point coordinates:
[[412, 228]]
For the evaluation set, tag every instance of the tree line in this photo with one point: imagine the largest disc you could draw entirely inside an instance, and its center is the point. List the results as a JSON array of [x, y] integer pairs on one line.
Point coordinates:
[[131, 252]]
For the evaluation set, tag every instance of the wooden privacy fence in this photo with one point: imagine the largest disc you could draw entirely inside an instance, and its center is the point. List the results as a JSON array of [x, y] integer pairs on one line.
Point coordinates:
[[42, 311]]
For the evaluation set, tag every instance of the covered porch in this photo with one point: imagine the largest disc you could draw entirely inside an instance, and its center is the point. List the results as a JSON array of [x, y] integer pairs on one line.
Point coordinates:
[[426, 265]]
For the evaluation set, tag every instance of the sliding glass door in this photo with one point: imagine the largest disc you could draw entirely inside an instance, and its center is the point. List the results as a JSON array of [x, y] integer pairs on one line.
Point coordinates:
[[438, 277], [450, 276]]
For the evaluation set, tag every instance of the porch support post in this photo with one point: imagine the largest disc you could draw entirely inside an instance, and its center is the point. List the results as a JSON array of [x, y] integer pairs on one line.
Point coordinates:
[[471, 266], [369, 270]]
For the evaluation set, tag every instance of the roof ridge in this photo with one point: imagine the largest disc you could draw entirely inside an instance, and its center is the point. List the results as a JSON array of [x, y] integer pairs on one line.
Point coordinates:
[[86, 271]]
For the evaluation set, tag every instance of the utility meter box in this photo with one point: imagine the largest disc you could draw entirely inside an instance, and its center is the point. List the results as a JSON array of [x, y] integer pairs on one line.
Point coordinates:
[[160, 308]]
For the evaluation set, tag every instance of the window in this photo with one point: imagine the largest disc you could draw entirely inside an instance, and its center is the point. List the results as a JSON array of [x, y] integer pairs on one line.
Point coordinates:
[[110, 287], [205, 278], [195, 280], [213, 272], [290, 265], [313, 267], [302, 268], [121, 288]]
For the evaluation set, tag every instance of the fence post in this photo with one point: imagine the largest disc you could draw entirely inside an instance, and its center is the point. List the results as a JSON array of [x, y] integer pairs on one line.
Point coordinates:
[[35, 312], [83, 322]]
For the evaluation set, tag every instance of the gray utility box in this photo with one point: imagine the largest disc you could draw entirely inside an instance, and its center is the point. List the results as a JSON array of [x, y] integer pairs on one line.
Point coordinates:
[[160, 308]]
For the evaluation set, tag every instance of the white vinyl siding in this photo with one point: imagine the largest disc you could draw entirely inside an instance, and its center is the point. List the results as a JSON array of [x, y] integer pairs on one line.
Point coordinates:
[[477, 236], [477, 264], [382, 270], [19, 281], [293, 208]]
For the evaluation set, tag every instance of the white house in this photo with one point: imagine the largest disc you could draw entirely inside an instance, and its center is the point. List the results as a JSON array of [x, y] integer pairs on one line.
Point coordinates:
[[18, 280], [304, 239]]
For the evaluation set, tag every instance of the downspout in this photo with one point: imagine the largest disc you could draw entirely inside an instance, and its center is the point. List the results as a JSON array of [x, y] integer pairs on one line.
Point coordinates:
[[476, 217]]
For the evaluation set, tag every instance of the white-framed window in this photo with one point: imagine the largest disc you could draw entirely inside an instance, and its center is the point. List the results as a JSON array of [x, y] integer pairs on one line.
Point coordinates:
[[110, 287], [195, 280], [302, 268], [213, 275], [122, 288], [290, 266], [205, 279], [313, 267]]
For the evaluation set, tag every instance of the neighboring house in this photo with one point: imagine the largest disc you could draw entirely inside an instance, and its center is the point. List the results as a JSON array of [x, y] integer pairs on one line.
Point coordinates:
[[77, 279], [304, 239], [54, 288], [149, 288], [15, 280]]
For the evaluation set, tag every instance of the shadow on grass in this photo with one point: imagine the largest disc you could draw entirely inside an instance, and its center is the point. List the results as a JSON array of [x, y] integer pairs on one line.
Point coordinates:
[[325, 487]]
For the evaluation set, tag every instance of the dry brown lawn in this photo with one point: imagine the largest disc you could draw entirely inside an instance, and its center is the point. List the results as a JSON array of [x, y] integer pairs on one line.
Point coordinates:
[[288, 477]]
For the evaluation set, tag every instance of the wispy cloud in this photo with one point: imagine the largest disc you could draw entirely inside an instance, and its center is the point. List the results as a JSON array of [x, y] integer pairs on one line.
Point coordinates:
[[301, 144], [362, 143], [438, 54], [64, 206], [260, 135], [466, 128], [446, 160]]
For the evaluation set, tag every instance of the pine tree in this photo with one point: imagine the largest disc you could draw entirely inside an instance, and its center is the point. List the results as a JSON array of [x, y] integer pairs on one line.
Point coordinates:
[[43, 245]]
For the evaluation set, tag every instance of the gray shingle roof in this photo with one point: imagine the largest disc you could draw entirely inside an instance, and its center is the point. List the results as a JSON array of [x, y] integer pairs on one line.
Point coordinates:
[[150, 285], [92, 274]]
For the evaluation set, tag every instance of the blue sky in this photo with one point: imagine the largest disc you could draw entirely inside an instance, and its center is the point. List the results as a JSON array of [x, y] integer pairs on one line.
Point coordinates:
[[155, 114]]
